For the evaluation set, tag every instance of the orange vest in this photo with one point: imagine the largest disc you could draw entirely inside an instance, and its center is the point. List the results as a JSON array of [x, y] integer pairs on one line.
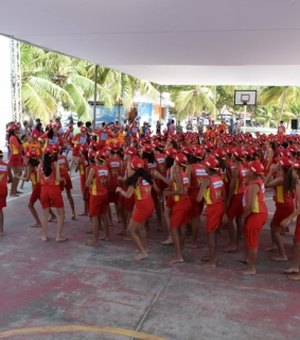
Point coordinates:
[[283, 197], [33, 177], [161, 162], [185, 183], [259, 203], [142, 190], [215, 193], [99, 183], [36, 147], [197, 174], [241, 182], [150, 167], [82, 166], [3, 174], [63, 164], [51, 180], [115, 170], [15, 146]]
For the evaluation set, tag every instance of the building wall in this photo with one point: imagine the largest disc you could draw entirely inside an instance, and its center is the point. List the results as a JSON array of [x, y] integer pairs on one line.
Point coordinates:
[[5, 87]]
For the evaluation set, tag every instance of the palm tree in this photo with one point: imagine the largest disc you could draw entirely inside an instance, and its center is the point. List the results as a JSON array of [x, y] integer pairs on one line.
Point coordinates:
[[51, 81], [192, 100], [281, 97], [40, 95]]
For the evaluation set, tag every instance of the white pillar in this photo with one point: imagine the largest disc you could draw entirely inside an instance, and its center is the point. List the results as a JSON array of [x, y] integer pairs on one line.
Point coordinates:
[[5, 87]]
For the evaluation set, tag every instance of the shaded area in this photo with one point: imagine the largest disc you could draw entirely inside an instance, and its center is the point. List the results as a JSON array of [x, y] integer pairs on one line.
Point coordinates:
[[70, 283]]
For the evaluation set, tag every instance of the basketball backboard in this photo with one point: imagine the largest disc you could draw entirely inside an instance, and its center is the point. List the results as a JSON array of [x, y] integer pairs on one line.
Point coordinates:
[[247, 97]]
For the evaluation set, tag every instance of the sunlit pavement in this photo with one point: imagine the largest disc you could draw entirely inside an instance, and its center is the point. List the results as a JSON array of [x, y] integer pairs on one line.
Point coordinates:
[[60, 286]]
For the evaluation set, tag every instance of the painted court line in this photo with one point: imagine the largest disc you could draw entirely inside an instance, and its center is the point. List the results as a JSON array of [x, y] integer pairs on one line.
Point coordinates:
[[55, 329]]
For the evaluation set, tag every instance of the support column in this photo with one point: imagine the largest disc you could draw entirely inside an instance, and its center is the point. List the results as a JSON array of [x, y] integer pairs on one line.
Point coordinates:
[[6, 110]]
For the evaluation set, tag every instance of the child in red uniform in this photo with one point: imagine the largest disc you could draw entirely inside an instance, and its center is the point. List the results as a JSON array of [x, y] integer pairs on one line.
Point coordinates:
[[255, 213], [150, 166], [139, 184], [15, 157], [65, 175], [48, 175], [234, 201], [32, 163], [96, 183], [212, 190], [115, 168], [5, 177], [294, 271], [167, 178], [180, 213], [196, 173], [126, 203], [284, 200]]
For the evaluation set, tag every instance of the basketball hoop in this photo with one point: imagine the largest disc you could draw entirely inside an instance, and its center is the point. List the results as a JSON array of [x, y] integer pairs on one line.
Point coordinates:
[[245, 98]]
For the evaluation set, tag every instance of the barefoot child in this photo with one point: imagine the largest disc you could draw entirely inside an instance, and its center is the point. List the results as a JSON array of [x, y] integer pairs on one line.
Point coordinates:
[[180, 213], [255, 214], [96, 184], [5, 177], [295, 269], [139, 184], [48, 175], [212, 190], [32, 162]]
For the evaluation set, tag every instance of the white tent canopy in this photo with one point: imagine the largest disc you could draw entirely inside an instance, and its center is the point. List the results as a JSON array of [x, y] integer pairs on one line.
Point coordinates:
[[226, 42]]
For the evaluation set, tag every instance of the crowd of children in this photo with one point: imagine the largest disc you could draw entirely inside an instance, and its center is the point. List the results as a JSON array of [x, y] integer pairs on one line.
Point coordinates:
[[177, 175]]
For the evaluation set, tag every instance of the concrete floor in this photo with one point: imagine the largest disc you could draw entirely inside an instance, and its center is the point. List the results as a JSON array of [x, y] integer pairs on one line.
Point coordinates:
[[71, 291]]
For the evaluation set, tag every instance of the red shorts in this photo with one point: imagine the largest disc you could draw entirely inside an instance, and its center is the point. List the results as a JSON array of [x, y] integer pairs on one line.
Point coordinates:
[[196, 206], [36, 194], [51, 196], [127, 203], [3, 195], [143, 209], [113, 197], [297, 230], [281, 212], [252, 228], [236, 207], [75, 151], [161, 184], [214, 214], [68, 184], [15, 160], [169, 202], [181, 212], [82, 183], [98, 205]]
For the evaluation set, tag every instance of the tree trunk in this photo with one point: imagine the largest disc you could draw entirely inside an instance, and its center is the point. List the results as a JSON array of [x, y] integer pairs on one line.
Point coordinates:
[[282, 104]]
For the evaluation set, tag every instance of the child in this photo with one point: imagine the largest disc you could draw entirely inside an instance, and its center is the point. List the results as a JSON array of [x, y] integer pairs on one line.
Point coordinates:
[[5, 177], [139, 183], [180, 213], [213, 191], [294, 270], [255, 214], [97, 183]]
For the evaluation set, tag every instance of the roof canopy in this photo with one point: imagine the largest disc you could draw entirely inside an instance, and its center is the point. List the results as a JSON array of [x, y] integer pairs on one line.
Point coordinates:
[[226, 42]]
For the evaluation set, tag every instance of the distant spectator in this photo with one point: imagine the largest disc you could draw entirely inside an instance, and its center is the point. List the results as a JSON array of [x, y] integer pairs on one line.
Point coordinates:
[[158, 127], [230, 127], [178, 127], [200, 127], [38, 130], [189, 126], [25, 130], [79, 125]]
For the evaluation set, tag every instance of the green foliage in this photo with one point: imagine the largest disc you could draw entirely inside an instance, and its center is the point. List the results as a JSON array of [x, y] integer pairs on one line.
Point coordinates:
[[51, 81]]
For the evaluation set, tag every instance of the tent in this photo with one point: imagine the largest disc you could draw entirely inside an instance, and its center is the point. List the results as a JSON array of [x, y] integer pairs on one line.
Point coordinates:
[[226, 42]]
